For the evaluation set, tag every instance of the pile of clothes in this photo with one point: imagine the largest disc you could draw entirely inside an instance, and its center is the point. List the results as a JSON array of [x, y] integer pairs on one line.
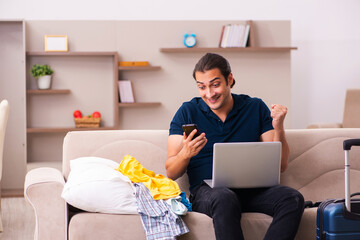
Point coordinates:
[[160, 201]]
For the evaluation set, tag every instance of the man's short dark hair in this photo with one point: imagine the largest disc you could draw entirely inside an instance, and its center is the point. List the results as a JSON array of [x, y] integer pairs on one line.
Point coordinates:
[[211, 61]]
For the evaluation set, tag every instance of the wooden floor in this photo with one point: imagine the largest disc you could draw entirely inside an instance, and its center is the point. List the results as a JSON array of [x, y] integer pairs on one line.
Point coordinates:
[[17, 218]]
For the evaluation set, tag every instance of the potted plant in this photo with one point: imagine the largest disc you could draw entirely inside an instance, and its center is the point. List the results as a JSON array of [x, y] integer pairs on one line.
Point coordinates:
[[43, 75]]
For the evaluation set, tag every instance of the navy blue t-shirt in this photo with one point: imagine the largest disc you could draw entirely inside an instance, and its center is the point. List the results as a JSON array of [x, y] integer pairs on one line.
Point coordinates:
[[249, 118]]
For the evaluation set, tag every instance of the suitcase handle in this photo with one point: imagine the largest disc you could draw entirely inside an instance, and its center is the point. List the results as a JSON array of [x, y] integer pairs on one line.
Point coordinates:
[[343, 199], [348, 214], [355, 194], [351, 142], [347, 144]]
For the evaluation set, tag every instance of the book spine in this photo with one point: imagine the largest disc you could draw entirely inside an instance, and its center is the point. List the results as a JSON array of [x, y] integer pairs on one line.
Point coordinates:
[[226, 36], [246, 35], [221, 35], [241, 34]]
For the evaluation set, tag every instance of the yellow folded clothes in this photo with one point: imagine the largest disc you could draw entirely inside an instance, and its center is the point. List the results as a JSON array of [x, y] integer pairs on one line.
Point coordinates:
[[160, 186]]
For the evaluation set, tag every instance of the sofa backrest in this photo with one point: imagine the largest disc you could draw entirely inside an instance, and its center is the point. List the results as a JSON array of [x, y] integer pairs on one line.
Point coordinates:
[[316, 162], [315, 168], [149, 147]]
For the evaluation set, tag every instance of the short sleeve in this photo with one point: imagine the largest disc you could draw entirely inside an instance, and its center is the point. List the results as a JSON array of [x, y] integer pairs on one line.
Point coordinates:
[[266, 118], [178, 120]]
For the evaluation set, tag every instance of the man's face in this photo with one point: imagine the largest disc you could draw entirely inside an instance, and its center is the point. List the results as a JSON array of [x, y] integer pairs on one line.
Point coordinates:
[[213, 88]]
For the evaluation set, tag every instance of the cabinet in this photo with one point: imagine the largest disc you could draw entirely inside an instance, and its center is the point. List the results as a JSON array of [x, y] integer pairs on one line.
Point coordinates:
[[81, 80]]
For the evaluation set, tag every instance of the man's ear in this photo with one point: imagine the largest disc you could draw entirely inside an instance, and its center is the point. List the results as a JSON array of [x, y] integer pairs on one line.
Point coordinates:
[[230, 79]]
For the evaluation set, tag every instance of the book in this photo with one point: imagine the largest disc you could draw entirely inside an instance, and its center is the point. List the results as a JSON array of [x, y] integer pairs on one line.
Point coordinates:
[[125, 91], [246, 36], [221, 35], [251, 37], [226, 35], [235, 35], [240, 35], [232, 33], [133, 64]]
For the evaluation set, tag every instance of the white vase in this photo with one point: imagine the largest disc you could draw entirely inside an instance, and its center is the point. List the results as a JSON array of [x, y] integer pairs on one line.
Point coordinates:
[[44, 82]]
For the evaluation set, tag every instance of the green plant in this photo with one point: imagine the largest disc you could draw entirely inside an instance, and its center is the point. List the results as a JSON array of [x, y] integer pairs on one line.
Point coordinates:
[[41, 70]]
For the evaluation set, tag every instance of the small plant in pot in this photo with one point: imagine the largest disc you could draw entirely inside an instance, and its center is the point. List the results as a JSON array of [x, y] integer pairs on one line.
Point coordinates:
[[43, 75]]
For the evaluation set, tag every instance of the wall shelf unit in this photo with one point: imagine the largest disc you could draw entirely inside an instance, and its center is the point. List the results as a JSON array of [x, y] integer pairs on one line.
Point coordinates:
[[139, 104], [82, 80], [216, 49], [113, 55]]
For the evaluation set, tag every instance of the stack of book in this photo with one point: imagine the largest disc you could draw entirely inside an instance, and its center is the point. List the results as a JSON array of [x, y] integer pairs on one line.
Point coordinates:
[[125, 91], [234, 35]]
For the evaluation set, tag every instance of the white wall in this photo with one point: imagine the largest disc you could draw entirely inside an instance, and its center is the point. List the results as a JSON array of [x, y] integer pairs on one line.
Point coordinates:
[[325, 31]]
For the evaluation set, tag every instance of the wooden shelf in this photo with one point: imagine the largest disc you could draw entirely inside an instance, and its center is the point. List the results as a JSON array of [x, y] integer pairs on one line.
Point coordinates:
[[247, 49], [71, 53], [60, 130], [139, 104], [140, 68], [47, 91]]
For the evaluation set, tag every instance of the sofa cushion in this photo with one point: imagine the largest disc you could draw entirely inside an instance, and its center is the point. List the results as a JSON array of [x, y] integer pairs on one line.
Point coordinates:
[[94, 185], [115, 227]]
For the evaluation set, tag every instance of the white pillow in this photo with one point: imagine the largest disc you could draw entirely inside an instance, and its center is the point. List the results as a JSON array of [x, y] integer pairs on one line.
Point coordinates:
[[94, 185]]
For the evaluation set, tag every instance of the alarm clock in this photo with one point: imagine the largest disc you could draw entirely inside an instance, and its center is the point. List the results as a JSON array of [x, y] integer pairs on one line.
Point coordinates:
[[189, 40]]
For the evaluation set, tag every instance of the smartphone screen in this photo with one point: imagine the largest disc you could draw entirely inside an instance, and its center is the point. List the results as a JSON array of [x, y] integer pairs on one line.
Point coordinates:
[[188, 128]]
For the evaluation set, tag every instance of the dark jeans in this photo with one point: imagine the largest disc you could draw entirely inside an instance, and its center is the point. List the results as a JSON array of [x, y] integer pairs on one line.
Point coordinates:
[[224, 206]]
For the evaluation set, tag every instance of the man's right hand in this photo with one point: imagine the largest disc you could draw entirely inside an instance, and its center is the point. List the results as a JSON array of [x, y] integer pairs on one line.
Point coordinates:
[[191, 147], [180, 150]]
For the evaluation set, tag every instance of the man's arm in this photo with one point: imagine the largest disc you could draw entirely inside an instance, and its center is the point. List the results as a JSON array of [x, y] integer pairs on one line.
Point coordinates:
[[180, 150], [278, 114]]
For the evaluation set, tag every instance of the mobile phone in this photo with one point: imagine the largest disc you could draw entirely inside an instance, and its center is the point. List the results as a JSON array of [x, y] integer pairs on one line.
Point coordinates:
[[188, 128]]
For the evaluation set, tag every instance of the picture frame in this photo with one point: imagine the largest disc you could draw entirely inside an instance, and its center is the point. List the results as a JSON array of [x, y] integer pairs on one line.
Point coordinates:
[[56, 43]]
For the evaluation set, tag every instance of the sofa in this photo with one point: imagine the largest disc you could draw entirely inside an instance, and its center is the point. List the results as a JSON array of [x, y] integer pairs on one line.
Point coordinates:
[[315, 169]]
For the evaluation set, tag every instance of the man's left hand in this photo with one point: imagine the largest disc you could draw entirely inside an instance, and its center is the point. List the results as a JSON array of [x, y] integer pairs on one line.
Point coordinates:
[[278, 113]]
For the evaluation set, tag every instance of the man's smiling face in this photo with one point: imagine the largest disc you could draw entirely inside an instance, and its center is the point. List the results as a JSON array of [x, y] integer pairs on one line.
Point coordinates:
[[214, 89]]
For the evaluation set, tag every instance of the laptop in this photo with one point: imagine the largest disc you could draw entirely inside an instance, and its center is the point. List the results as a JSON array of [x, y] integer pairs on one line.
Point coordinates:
[[246, 165]]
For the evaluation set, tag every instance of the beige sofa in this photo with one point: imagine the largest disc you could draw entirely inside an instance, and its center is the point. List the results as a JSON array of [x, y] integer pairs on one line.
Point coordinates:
[[315, 169]]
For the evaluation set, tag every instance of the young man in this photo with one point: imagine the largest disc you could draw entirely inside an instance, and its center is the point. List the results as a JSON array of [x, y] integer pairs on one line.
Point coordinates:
[[225, 117]]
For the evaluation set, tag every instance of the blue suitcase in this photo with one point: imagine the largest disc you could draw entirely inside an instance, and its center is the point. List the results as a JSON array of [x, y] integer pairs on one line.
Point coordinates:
[[339, 219]]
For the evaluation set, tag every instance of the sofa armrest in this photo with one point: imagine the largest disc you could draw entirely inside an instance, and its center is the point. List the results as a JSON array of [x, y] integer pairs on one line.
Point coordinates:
[[43, 188], [324, 125]]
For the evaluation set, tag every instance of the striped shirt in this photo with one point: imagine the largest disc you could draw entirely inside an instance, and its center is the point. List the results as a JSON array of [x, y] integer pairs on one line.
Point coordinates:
[[159, 222]]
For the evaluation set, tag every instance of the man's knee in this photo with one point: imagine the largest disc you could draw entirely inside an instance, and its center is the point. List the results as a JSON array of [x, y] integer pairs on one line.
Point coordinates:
[[226, 199], [293, 199], [298, 198]]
